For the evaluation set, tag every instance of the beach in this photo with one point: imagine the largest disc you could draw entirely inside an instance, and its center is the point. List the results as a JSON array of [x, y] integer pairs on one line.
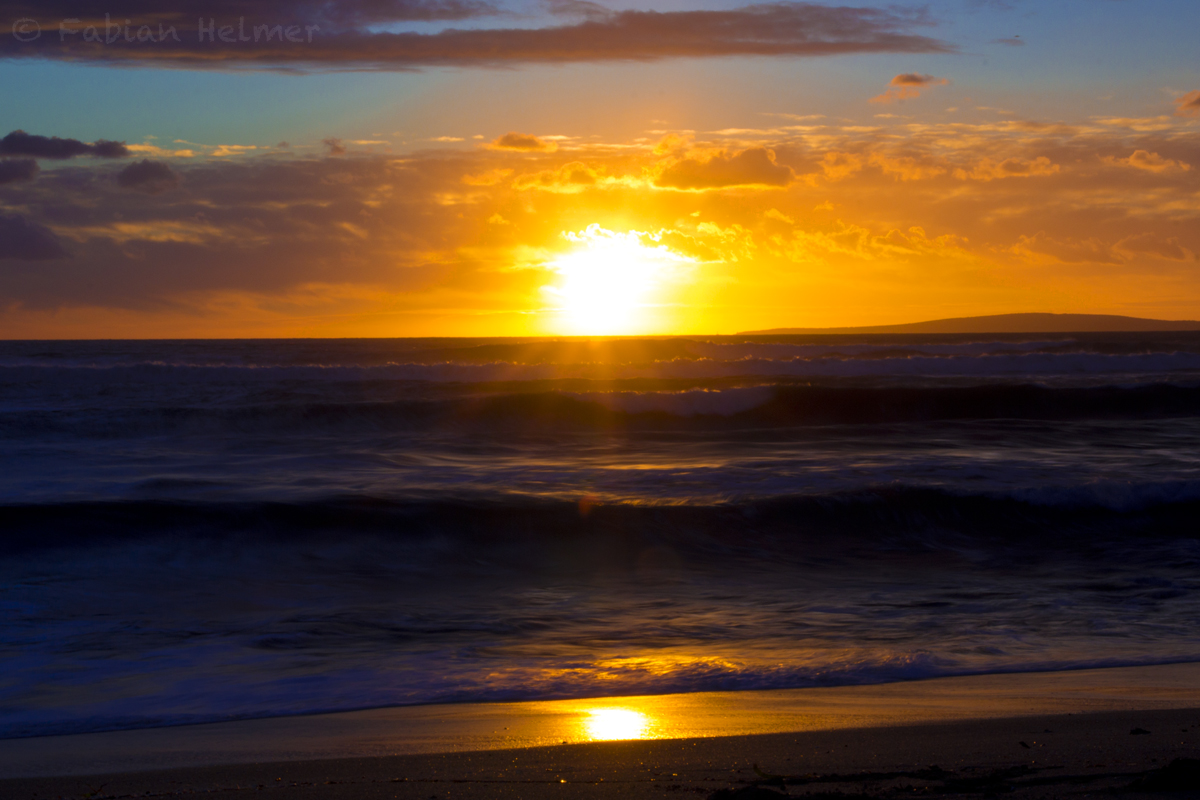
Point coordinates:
[[1043, 735]]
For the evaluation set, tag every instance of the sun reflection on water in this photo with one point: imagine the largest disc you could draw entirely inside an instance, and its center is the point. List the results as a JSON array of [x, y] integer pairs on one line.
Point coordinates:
[[610, 724]]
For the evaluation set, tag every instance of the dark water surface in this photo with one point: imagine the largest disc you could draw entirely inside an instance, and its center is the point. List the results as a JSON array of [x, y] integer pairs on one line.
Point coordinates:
[[208, 530]]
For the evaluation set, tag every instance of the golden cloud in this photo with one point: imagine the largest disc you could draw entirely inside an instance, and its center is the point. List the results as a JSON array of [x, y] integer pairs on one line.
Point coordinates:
[[754, 166], [989, 170], [907, 168], [837, 165], [1188, 105], [671, 143], [1155, 245], [462, 231], [907, 85], [488, 178], [1149, 162], [568, 179]]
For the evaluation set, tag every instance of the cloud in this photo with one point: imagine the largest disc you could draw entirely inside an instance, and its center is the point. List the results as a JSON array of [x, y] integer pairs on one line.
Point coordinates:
[[1152, 244], [568, 178], [837, 165], [579, 8], [338, 15], [672, 143], [1011, 41], [334, 145], [1149, 162], [907, 85], [1141, 124], [917, 79], [24, 240], [487, 178], [225, 150], [17, 169], [151, 177], [907, 168], [1093, 249], [1188, 105], [344, 38], [159, 152], [523, 142], [20, 143], [271, 244], [1043, 248], [753, 166], [989, 169]]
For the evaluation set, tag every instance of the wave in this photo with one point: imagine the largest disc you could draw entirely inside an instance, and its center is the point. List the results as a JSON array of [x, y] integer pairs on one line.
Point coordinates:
[[495, 414], [368, 353], [525, 529], [903, 363], [362, 690]]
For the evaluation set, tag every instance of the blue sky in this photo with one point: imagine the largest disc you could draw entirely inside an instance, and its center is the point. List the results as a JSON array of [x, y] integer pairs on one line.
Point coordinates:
[[1095, 57]]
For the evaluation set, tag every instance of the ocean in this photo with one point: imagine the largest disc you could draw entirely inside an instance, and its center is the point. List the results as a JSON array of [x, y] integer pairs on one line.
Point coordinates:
[[196, 531]]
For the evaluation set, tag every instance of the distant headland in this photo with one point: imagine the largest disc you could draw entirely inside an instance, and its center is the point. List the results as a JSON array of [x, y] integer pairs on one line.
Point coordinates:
[[1010, 323]]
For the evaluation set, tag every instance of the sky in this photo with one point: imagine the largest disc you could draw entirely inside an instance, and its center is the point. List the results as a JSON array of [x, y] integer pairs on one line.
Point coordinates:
[[551, 167]]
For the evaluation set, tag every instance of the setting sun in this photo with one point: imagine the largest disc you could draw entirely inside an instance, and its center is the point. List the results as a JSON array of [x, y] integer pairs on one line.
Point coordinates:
[[609, 281]]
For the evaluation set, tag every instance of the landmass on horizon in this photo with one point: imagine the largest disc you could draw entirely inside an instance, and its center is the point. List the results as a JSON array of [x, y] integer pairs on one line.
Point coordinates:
[[1009, 323]]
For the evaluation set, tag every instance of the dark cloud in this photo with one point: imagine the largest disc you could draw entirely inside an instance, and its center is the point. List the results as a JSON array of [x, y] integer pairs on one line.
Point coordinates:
[[754, 166], [524, 142], [106, 149], [336, 148], [17, 169], [24, 240], [20, 143], [148, 176], [1011, 41], [776, 29], [332, 15], [262, 226]]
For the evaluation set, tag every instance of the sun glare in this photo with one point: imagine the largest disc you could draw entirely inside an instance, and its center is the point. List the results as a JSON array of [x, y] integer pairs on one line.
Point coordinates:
[[610, 281], [609, 724]]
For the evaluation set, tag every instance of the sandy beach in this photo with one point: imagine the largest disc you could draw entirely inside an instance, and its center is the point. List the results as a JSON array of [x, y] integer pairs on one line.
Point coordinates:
[[1063, 734]]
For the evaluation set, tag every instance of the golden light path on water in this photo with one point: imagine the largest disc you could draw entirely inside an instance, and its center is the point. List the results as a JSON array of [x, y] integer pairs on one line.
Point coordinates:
[[610, 724]]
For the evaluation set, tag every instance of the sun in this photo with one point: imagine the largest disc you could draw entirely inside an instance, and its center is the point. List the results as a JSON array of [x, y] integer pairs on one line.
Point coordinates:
[[609, 282]]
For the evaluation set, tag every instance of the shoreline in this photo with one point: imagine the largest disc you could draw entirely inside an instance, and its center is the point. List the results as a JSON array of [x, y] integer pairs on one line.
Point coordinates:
[[1118, 753], [980, 707]]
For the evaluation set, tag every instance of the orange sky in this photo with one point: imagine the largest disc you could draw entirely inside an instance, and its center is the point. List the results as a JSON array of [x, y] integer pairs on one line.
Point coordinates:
[[925, 203]]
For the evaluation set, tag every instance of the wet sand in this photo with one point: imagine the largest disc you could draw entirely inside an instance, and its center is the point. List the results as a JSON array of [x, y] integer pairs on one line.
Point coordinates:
[[1038, 735]]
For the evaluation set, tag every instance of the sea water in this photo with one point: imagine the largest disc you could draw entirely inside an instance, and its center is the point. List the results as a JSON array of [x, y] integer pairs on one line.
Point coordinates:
[[208, 530]]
